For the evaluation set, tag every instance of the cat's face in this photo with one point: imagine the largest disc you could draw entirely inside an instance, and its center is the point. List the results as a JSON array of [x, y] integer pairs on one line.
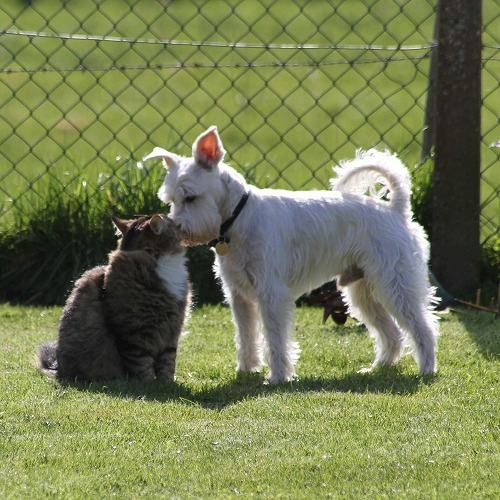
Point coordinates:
[[153, 233]]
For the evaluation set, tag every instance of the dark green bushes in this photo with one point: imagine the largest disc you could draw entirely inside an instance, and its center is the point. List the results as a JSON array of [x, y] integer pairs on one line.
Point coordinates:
[[59, 229]]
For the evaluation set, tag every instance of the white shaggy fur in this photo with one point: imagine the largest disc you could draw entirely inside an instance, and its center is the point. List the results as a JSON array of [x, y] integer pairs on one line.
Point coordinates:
[[285, 243]]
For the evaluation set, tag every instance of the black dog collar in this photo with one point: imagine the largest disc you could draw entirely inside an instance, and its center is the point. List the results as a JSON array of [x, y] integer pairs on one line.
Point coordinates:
[[221, 243]]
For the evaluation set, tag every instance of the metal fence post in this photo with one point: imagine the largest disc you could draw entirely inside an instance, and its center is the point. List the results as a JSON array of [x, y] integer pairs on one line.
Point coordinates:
[[456, 201]]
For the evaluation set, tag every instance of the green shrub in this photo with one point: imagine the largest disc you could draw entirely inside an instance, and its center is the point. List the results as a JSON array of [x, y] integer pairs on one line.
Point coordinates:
[[421, 196], [490, 269], [60, 229]]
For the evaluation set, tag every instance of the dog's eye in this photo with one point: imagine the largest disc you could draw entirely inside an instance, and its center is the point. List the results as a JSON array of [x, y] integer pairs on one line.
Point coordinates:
[[189, 199]]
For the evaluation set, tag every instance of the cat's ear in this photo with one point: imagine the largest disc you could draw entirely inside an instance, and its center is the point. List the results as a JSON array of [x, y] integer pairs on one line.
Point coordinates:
[[207, 149], [120, 224], [156, 224], [170, 160]]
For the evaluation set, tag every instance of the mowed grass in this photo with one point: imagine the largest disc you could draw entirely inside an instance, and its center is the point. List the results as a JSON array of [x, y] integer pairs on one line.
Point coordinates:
[[334, 432]]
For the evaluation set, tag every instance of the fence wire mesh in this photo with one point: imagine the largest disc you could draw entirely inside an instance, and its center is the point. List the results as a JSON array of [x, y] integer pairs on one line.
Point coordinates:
[[294, 87]]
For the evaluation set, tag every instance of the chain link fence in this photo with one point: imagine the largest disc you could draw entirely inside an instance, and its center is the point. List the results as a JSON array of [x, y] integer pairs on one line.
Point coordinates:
[[294, 87]]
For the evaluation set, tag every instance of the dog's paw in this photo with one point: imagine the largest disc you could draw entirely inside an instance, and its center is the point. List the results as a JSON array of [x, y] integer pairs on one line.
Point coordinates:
[[248, 369], [365, 370], [272, 379]]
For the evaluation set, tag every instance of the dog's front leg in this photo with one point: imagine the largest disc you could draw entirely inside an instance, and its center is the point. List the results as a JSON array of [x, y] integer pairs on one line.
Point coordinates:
[[282, 352], [248, 336]]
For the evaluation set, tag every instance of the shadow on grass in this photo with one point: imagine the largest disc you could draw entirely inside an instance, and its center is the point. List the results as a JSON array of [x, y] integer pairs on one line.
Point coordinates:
[[483, 328], [221, 395]]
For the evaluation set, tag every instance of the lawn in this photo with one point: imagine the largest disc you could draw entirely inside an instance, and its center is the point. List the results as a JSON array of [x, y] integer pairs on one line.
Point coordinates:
[[334, 432]]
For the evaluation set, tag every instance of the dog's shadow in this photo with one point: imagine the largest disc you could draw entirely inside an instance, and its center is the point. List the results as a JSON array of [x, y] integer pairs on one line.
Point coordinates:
[[221, 395]]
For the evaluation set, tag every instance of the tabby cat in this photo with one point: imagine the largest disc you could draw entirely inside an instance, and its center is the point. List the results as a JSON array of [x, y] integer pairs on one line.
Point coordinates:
[[125, 319]]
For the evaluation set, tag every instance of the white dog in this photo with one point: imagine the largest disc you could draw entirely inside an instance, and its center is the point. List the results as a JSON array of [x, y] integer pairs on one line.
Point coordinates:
[[273, 246]]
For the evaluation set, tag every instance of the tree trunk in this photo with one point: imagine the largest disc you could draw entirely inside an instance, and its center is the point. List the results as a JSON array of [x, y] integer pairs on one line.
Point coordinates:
[[456, 201]]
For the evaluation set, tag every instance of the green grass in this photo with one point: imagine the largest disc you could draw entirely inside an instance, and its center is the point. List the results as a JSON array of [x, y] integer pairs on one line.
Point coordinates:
[[284, 125], [333, 432], [72, 138], [281, 124]]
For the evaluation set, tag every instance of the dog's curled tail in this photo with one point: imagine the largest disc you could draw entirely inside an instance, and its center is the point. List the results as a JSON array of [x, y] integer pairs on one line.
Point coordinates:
[[378, 173], [47, 359]]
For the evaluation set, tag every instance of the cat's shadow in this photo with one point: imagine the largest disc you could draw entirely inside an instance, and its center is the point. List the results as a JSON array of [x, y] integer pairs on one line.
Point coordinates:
[[221, 395]]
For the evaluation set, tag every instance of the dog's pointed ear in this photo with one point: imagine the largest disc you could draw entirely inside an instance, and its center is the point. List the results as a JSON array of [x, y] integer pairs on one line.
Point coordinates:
[[208, 149], [120, 224], [169, 159]]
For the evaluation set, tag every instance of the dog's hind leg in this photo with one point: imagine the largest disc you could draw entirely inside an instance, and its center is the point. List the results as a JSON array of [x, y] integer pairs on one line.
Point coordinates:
[[423, 330], [421, 324], [381, 326], [248, 336], [407, 300], [282, 352]]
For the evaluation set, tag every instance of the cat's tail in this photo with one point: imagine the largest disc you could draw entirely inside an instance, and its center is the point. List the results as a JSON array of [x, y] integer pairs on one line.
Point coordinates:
[[47, 359]]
